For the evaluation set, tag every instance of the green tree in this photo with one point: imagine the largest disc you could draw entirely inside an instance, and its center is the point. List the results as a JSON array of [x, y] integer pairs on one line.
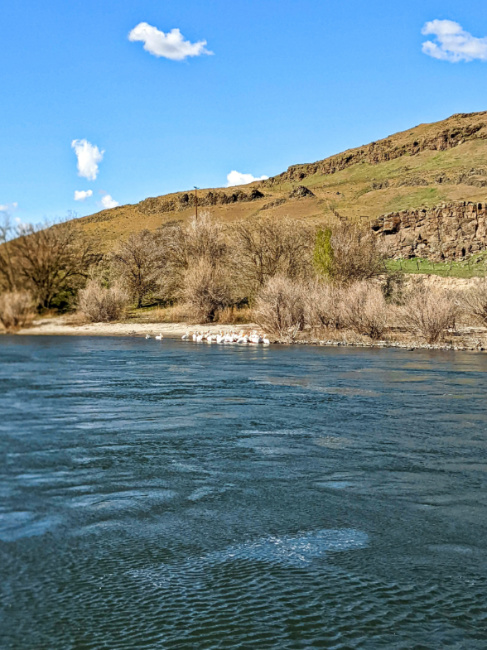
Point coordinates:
[[323, 254]]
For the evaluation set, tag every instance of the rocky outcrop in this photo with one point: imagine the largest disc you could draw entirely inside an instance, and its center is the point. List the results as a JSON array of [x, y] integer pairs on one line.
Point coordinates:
[[437, 137], [450, 231], [187, 200], [300, 192]]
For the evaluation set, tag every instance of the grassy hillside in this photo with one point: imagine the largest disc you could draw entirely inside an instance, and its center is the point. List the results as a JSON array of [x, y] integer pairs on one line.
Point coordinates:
[[423, 166]]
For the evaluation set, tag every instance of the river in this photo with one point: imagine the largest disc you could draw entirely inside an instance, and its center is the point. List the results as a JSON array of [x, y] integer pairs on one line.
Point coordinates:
[[176, 495]]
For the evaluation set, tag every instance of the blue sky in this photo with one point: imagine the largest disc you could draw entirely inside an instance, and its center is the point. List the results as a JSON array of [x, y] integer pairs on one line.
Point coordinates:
[[289, 81]]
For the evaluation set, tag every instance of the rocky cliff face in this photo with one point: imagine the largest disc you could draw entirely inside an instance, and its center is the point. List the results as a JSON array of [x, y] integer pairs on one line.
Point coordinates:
[[447, 232], [437, 137], [205, 199]]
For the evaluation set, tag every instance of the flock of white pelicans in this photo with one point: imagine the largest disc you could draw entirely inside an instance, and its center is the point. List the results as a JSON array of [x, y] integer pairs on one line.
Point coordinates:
[[230, 337]]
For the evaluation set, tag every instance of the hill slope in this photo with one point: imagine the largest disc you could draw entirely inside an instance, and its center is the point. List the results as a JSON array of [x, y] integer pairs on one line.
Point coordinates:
[[426, 165]]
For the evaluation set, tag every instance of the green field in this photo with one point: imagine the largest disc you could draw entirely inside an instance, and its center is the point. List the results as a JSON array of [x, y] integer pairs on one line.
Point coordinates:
[[476, 266]]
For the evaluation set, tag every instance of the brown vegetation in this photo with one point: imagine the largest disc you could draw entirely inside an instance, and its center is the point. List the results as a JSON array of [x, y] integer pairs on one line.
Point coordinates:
[[100, 304], [16, 309], [430, 312], [280, 309], [205, 291], [475, 302], [137, 265], [324, 305], [365, 309], [347, 253], [52, 263], [295, 282], [266, 247]]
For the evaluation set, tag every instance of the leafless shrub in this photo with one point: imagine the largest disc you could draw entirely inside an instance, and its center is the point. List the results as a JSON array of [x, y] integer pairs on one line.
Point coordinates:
[[430, 312], [205, 290], [269, 246], [279, 307], [100, 304], [324, 305], [365, 309], [138, 265], [16, 309], [475, 302]]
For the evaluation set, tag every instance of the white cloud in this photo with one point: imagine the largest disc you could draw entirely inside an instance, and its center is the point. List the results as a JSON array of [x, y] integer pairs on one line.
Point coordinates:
[[237, 178], [171, 45], [453, 43], [108, 202], [88, 158], [81, 195], [6, 209]]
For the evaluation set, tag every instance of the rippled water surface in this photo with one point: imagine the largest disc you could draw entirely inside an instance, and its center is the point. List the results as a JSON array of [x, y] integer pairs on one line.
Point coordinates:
[[181, 496]]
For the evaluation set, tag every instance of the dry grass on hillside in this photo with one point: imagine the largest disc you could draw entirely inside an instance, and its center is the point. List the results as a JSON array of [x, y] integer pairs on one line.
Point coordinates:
[[362, 190]]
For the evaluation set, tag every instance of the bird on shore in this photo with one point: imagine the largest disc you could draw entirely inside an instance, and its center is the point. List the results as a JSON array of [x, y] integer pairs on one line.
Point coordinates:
[[185, 337], [159, 337], [147, 336]]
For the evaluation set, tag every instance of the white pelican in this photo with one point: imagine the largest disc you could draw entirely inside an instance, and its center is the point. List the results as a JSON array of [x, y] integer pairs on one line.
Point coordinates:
[[266, 341], [147, 336], [159, 337], [185, 336]]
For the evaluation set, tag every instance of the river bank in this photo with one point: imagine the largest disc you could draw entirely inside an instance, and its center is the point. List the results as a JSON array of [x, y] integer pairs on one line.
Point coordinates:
[[463, 338], [60, 326]]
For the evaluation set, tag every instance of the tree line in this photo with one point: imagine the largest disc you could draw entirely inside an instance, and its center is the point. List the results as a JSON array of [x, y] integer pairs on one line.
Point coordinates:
[[294, 275]]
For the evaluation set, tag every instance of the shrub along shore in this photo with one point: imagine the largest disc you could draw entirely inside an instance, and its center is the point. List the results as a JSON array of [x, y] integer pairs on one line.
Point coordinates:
[[295, 282]]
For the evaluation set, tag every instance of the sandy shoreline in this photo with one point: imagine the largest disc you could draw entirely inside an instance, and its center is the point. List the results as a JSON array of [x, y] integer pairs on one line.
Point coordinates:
[[59, 327], [470, 339]]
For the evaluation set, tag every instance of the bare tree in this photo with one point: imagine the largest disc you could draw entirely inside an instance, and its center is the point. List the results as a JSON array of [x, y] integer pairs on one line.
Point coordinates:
[[183, 247], [137, 264], [270, 246], [51, 262], [7, 272], [347, 253]]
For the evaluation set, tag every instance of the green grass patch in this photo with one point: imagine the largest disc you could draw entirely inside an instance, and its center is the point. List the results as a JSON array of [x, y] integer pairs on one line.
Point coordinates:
[[474, 267]]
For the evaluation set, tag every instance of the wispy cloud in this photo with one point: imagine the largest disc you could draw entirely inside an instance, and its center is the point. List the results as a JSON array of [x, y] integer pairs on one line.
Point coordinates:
[[453, 43], [81, 195], [170, 46], [237, 178], [6, 209], [88, 156], [109, 202]]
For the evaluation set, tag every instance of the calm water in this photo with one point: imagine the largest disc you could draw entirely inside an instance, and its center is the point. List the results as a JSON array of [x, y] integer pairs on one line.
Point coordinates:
[[181, 496]]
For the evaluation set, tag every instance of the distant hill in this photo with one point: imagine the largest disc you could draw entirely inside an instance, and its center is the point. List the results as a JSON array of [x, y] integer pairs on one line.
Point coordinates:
[[423, 166]]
